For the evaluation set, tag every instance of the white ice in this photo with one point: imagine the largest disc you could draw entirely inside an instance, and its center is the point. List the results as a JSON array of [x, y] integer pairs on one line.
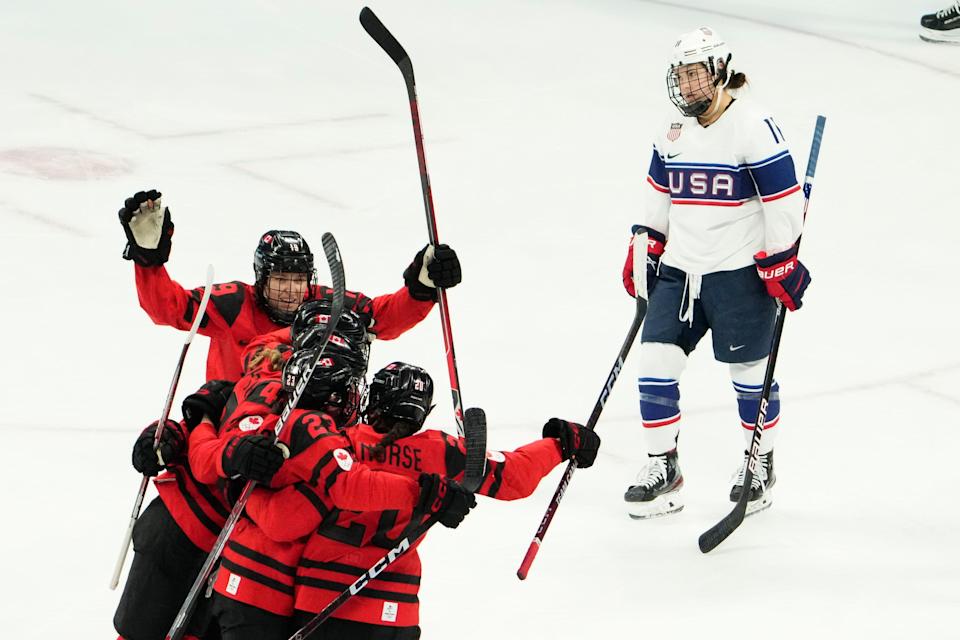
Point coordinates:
[[538, 116]]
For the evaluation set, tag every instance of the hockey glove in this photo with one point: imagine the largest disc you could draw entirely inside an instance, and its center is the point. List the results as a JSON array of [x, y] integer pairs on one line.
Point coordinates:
[[254, 457], [431, 268], [209, 400], [444, 499], [784, 275], [148, 228], [656, 242], [172, 449], [576, 441]]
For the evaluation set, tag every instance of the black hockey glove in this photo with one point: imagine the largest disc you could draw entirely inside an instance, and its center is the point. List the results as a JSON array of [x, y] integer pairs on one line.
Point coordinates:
[[576, 441], [432, 267], [172, 449], [444, 499], [209, 400], [148, 229], [253, 457]]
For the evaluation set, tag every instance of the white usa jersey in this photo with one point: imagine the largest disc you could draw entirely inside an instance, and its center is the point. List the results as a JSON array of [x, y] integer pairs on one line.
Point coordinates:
[[722, 193]]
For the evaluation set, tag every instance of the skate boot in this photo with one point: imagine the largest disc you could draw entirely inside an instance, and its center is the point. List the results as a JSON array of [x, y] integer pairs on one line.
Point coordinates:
[[657, 491], [763, 480], [942, 26]]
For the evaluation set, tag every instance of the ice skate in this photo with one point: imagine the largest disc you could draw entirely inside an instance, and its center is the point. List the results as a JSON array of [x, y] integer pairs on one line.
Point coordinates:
[[942, 26], [761, 496], [657, 491]]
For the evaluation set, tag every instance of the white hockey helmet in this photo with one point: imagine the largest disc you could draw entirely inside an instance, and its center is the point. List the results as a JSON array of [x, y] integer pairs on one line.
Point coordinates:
[[704, 46]]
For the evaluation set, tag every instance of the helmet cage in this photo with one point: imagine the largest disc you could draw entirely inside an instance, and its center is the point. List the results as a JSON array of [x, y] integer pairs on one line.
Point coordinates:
[[281, 252]]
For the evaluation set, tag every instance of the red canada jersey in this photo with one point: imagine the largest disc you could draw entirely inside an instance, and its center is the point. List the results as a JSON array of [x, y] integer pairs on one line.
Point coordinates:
[[234, 317], [348, 543], [198, 509], [260, 571]]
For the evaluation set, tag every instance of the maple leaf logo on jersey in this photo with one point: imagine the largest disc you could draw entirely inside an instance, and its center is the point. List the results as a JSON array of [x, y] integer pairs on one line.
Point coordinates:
[[343, 459], [674, 132], [251, 423]]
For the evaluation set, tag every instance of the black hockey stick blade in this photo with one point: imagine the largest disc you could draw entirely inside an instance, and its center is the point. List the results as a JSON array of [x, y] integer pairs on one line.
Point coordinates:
[[475, 433], [712, 537], [372, 25]]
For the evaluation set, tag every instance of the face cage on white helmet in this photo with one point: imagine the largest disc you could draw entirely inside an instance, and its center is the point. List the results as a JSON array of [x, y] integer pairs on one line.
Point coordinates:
[[717, 70]]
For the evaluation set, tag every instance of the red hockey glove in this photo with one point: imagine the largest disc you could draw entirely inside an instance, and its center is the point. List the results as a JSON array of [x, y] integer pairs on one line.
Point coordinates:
[[252, 457], [656, 242], [444, 499], [576, 441], [784, 275], [209, 400], [172, 449]]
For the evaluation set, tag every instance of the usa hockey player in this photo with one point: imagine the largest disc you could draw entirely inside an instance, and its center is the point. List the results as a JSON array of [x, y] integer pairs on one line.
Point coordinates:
[[723, 207], [285, 277]]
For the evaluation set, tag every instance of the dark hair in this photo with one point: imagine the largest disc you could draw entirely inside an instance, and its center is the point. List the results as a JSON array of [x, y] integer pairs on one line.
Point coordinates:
[[737, 80]]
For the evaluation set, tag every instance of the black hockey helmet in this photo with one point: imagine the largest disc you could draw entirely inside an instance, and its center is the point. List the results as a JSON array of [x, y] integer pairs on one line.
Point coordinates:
[[311, 321], [337, 383], [399, 392], [281, 252]]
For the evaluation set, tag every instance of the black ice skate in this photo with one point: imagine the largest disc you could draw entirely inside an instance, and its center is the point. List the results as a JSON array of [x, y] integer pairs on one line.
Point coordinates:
[[763, 480], [657, 491], [942, 26]]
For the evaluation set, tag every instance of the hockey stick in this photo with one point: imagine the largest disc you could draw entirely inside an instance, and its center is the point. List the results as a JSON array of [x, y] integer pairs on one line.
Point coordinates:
[[372, 25], [719, 532], [640, 286], [164, 414], [475, 427], [335, 263]]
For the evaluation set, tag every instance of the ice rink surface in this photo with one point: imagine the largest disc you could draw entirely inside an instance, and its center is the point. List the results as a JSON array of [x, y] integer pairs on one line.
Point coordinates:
[[538, 119]]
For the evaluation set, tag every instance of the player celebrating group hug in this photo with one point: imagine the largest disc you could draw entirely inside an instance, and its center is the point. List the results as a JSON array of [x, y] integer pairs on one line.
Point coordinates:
[[353, 474], [356, 471]]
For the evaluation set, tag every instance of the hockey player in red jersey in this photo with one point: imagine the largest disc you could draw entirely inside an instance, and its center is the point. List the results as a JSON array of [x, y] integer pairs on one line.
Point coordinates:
[[349, 543], [254, 589], [285, 277], [723, 217], [176, 531]]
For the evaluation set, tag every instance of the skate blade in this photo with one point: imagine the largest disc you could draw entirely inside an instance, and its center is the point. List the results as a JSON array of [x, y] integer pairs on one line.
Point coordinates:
[[939, 37], [658, 507], [762, 503]]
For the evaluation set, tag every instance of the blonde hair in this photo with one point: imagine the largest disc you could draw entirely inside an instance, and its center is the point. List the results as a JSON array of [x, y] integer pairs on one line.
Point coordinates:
[[270, 354]]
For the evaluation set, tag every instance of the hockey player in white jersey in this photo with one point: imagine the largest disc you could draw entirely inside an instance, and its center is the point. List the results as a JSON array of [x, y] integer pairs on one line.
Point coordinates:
[[723, 214]]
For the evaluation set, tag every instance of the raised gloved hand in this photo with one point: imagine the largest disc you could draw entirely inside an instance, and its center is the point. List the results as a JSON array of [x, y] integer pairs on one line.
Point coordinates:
[[148, 228], [432, 267], [209, 400], [255, 457], [656, 242], [444, 499], [784, 275], [576, 441], [172, 449]]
